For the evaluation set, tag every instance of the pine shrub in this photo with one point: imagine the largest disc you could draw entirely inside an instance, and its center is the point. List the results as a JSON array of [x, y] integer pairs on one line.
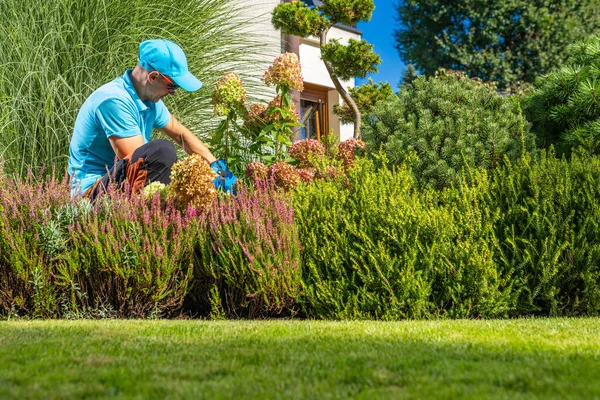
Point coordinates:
[[564, 108], [451, 123]]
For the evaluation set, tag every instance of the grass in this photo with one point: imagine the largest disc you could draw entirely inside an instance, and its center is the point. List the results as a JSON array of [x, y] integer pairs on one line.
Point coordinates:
[[549, 358]]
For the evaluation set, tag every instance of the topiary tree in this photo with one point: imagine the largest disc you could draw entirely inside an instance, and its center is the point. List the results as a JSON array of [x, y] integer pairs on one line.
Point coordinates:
[[446, 124], [342, 61], [564, 106]]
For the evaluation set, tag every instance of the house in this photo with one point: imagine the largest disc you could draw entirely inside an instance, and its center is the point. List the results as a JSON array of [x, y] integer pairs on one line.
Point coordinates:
[[319, 96]]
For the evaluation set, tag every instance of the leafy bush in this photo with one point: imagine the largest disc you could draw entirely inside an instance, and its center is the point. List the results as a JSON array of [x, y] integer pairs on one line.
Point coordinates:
[[548, 232], [452, 123], [56, 53], [564, 107], [376, 247]]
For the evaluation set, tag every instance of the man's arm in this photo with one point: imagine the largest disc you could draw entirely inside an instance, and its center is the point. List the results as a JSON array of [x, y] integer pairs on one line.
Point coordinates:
[[123, 147], [187, 140]]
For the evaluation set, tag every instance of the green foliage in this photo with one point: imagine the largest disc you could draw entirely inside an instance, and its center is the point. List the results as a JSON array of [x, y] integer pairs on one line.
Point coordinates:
[[451, 123], [564, 107], [354, 59], [56, 53], [409, 76], [365, 96], [376, 247], [501, 41], [348, 12], [548, 229], [296, 18]]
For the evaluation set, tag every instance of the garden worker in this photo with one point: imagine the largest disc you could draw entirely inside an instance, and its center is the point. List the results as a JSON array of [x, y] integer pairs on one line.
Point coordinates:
[[111, 138]]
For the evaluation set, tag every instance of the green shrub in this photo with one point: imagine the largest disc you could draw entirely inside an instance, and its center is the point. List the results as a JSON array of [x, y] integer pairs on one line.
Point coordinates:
[[452, 123], [374, 246], [548, 233], [564, 108], [56, 53]]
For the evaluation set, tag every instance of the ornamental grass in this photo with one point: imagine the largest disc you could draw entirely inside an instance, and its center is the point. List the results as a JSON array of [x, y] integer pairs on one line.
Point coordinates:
[[56, 53]]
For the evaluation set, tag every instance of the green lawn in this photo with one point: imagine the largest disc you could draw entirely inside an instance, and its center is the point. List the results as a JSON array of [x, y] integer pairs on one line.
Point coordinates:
[[544, 358]]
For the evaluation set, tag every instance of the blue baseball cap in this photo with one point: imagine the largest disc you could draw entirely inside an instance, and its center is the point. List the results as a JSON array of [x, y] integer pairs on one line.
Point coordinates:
[[167, 58]]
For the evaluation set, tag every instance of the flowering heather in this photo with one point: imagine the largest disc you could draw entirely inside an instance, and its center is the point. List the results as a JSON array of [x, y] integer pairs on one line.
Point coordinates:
[[348, 149], [251, 253], [305, 150], [285, 71], [293, 119], [307, 175], [284, 175], [191, 183], [229, 94], [256, 117], [257, 171]]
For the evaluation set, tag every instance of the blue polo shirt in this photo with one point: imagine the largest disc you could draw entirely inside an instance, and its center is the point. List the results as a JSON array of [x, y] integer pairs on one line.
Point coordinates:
[[114, 109]]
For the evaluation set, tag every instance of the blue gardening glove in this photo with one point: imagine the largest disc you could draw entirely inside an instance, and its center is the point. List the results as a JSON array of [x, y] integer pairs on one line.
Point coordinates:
[[225, 179]]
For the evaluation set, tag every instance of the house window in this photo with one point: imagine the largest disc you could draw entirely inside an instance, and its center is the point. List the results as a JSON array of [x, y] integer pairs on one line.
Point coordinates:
[[314, 112]]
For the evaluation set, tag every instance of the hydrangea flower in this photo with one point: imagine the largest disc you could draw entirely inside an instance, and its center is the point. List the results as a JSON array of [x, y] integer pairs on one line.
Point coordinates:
[[285, 71], [307, 175], [256, 117], [347, 149], [304, 150], [192, 183], [257, 171], [229, 94], [151, 189], [284, 175], [294, 118]]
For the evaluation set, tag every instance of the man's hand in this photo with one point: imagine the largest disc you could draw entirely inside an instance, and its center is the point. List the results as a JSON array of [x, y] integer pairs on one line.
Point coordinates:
[[225, 179]]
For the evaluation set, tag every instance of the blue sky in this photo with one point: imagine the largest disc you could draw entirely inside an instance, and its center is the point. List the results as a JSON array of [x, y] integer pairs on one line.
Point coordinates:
[[379, 32]]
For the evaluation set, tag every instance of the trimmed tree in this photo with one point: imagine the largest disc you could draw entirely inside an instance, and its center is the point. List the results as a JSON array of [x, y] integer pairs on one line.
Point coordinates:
[[342, 61], [501, 41]]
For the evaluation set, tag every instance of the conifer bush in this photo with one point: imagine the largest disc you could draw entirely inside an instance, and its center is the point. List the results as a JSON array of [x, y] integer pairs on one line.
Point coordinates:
[[563, 107], [374, 246], [451, 123], [548, 233]]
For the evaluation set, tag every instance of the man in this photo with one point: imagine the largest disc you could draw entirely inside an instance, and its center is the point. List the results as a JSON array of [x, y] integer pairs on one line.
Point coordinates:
[[113, 128]]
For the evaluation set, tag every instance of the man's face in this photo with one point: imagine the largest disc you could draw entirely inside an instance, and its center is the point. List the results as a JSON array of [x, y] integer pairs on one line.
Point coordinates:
[[160, 86]]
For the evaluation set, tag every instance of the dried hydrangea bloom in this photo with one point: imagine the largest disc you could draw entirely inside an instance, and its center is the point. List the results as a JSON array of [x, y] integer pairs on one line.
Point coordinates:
[[347, 150], [307, 175], [284, 175], [229, 94], [256, 117], [151, 189], [305, 151], [257, 171], [294, 118], [285, 71], [192, 183]]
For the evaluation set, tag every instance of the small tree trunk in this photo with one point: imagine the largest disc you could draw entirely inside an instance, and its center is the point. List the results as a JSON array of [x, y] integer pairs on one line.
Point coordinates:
[[342, 91]]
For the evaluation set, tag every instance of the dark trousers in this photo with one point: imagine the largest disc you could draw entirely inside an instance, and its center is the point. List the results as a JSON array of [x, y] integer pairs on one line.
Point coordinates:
[[151, 162]]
